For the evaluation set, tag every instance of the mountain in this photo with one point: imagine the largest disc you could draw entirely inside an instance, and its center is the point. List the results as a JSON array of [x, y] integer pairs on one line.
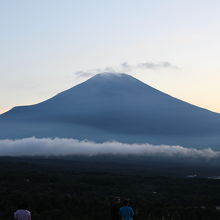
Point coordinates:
[[114, 107]]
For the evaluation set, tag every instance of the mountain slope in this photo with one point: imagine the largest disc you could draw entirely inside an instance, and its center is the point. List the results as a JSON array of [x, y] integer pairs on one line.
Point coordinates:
[[110, 106]]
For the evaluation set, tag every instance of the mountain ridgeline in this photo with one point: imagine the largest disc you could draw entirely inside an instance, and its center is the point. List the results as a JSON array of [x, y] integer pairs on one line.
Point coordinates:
[[115, 107]]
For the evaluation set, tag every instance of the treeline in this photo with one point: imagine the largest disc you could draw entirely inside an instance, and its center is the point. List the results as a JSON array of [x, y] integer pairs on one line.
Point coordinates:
[[84, 190]]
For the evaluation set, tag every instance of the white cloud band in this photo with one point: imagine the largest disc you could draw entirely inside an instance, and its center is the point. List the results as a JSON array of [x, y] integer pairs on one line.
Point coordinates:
[[62, 147]]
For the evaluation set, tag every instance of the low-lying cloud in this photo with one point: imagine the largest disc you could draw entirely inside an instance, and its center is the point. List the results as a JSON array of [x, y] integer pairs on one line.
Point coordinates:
[[63, 147], [127, 68]]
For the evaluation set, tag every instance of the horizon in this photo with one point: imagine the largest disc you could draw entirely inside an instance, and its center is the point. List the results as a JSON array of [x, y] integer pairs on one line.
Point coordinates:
[[104, 73]]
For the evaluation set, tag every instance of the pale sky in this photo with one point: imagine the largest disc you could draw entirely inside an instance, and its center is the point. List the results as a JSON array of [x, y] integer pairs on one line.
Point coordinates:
[[44, 43]]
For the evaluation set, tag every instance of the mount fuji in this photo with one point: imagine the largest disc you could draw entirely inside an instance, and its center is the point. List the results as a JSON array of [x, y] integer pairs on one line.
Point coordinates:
[[116, 107]]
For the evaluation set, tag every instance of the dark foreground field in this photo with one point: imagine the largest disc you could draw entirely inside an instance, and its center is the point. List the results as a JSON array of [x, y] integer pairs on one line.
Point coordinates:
[[82, 188]]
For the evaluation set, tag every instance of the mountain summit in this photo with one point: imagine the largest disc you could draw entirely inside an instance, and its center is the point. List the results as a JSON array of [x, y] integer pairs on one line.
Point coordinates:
[[114, 107]]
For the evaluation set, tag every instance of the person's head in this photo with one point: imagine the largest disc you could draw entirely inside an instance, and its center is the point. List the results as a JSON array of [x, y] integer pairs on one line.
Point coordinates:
[[125, 202]]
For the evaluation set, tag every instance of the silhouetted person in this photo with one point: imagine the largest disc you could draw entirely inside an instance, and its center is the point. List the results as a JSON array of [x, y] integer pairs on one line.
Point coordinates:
[[126, 212], [115, 209], [22, 213]]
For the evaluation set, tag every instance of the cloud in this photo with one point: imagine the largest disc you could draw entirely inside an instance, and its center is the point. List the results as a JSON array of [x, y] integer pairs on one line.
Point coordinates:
[[92, 72], [127, 68], [63, 147], [83, 73], [148, 65]]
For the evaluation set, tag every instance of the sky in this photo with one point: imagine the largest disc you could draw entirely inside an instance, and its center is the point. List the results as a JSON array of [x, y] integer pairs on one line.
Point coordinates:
[[47, 46]]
